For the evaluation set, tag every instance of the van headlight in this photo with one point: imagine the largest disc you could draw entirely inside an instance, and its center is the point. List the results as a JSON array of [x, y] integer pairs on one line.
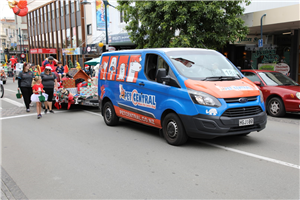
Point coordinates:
[[298, 95], [203, 98], [261, 96]]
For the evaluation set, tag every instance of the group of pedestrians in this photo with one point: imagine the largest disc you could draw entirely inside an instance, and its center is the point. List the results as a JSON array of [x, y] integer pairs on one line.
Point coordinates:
[[33, 83]]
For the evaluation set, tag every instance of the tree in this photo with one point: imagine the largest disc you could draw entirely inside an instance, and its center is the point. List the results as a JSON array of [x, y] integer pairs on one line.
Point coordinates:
[[212, 23]]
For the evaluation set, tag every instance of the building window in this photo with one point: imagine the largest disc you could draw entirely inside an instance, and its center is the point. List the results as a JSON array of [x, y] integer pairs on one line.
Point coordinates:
[[49, 12], [62, 9], [89, 29], [45, 14], [72, 8], [77, 5], [6, 31], [67, 9], [57, 9]]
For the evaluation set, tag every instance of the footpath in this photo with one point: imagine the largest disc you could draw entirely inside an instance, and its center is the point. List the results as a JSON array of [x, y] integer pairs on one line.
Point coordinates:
[[9, 189]]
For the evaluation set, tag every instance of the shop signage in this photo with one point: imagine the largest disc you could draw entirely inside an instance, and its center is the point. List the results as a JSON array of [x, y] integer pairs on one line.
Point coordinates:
[[122, 37], [91, 49], [15, 52], [269, 56], [43, 51], [111, 49], [71, 51], [249, 39], [279, 67]]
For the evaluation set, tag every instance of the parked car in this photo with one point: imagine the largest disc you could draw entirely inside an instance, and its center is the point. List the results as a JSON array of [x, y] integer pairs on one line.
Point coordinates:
[[281, 94]]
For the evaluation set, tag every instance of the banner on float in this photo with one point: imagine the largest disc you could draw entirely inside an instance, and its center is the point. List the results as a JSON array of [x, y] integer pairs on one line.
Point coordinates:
[[71, 51]]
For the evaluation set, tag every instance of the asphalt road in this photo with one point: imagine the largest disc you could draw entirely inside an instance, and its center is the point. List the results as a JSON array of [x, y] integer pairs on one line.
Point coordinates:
[[72, 154]]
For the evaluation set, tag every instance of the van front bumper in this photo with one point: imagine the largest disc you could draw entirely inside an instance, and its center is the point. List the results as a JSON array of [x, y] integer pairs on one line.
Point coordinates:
[[208, 127]]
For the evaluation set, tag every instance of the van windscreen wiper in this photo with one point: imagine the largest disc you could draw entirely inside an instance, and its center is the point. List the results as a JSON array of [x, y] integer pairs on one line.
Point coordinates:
[[220, 78]]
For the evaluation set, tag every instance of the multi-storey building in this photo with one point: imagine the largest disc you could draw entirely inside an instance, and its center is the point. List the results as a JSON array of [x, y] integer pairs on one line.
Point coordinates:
[[69, 30], [22, 33], [8, 35]]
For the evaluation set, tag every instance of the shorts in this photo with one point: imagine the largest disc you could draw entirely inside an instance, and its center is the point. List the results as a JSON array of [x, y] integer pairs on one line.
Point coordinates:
[[35, 97]]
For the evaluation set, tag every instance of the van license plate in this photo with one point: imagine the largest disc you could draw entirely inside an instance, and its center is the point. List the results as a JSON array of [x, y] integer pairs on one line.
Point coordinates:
[[246, 122]]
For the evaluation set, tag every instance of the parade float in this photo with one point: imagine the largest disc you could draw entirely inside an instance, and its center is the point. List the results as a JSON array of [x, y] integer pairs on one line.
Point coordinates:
[[77, 88]]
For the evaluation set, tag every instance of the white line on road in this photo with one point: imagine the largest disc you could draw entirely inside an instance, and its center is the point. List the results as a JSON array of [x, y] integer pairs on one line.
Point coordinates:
[[13, 102], [238, 151], [93, 113], [27, 115], [10, 90], [253, 155]]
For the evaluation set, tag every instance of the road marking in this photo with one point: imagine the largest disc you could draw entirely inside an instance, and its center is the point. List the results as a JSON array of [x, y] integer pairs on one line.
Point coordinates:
[[10, 90], [253, 155], [92, 113], [13, 102], [238, 151], [28, 115]]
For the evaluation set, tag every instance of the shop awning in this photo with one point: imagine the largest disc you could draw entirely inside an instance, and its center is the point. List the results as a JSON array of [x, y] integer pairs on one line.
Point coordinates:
[[93, 62]]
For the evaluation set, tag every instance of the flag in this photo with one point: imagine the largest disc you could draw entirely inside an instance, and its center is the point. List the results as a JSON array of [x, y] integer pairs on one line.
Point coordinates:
[[66, 69]]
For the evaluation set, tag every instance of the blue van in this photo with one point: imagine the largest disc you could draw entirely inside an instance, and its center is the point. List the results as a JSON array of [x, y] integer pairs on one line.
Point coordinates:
[[185, 92]]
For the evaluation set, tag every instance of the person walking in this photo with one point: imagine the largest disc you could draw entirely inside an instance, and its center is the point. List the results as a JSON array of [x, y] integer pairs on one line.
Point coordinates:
[[25, 78], [34, 69], [37, 88], [49, 81]]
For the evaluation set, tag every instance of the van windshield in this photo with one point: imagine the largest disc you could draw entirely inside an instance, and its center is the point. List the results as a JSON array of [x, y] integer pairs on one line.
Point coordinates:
[[203, 65]]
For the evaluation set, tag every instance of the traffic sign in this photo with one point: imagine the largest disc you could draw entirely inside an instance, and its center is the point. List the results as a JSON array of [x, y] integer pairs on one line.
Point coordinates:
[[260, 43], [22, 55], [88, 49]]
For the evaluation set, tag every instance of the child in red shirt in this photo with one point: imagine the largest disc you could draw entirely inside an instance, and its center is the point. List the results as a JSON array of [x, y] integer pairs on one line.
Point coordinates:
[[37, 89]]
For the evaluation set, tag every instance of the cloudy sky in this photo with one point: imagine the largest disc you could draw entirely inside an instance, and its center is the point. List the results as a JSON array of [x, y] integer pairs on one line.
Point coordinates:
[[5, 11]]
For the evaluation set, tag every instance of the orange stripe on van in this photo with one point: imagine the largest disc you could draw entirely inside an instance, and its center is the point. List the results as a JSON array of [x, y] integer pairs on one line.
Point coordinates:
[[217, 88], [137, 117]]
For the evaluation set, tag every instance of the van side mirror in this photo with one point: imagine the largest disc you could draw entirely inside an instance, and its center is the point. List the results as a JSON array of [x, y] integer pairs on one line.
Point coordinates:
[[257, 83], [239, 68], [161, 76]]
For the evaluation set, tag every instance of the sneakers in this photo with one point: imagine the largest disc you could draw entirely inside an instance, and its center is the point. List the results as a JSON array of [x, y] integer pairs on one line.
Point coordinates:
[[46, 111], [27, 110], [39, 116], [51, 111]]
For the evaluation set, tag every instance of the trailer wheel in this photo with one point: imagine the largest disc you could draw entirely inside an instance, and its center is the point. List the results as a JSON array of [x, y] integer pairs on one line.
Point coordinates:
[[109, 114], [173, 130]]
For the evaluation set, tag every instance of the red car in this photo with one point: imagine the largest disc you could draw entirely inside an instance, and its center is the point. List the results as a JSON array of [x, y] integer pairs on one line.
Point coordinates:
[[281, 94]]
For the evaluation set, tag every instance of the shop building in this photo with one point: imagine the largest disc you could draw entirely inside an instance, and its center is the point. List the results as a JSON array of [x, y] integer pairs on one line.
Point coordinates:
[[280, 47], [55, 28]]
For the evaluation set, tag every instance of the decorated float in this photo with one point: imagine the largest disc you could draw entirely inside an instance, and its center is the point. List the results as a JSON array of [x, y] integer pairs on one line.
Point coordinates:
[[77, 88]]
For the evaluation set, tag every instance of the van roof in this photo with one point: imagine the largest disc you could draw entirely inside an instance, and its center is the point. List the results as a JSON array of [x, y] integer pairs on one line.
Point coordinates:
[[165, 50]]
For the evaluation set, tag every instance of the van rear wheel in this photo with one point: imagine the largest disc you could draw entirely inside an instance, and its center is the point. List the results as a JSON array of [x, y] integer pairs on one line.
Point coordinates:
[[173, 130], [109, 114]]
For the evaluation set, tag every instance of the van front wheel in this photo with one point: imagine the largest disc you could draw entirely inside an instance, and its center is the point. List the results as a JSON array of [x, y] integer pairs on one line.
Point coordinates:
[[109, 114], [173, 130]]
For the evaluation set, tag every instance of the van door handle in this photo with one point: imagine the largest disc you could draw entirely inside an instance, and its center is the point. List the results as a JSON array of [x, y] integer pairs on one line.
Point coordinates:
[[142, 83]]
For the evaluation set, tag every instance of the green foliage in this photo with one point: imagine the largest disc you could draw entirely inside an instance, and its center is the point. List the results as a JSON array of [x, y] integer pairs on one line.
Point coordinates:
[[71, 64], [213, 23]]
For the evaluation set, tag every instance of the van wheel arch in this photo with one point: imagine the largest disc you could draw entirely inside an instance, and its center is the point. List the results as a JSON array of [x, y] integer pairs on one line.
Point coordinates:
[[168, 118], [105, 99]]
